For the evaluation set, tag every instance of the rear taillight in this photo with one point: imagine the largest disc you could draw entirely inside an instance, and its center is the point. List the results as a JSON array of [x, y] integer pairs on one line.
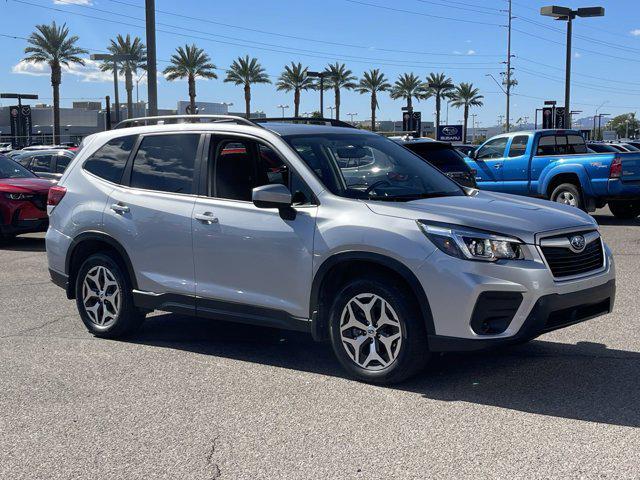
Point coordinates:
[[56, 194], [615, 171]]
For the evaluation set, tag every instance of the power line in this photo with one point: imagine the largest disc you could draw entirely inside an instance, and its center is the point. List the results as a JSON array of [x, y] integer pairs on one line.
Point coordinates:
[[283, 35], [413, 12], [576, 74], [464, 7], [268, 47]]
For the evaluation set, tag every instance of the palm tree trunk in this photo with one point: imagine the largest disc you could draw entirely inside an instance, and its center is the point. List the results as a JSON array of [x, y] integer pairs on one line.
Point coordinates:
[[296, 102], [247, 100], [337, 104], [56, 79], [128, 85], [192, 94], [466, 118], [409, 104], [437, 116], [374, 103]]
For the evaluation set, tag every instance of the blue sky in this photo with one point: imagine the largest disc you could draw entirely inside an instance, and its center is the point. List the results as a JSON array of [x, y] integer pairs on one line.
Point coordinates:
[[464, 39]]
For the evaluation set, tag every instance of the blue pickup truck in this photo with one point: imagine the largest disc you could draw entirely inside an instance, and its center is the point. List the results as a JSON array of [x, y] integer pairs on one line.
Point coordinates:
[[557, 165]]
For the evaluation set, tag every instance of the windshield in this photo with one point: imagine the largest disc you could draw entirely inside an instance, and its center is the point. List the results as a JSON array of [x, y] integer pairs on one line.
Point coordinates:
[[370, 167], [11, 169]]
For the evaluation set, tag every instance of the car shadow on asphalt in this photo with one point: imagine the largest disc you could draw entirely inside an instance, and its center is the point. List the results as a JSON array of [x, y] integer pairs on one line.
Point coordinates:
[[23, 244], [613, 221], [586, 381]]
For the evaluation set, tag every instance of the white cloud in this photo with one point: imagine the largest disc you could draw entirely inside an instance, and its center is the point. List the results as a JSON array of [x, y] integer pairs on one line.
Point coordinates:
[[90, 72], [73, 2], [577, 55], [456, 52], [471, 52], [635, 32]]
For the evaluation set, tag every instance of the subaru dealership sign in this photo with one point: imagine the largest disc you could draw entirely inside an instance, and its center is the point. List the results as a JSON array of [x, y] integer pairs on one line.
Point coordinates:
[[450, 133]]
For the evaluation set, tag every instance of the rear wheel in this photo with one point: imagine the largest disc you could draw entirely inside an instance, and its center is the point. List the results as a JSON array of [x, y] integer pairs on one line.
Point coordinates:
[[625, 209], [377, 331], [567, 194], [104, 298]]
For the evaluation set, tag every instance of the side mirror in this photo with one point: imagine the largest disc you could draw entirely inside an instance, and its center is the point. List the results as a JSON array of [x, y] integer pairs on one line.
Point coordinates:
[[271, 196]]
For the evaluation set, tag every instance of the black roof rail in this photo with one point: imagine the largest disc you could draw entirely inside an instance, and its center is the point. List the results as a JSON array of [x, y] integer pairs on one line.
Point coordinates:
[[169, 119], [306, 120]]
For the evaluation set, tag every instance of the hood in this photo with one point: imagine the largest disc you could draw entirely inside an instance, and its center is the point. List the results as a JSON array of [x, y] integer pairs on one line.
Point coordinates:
[[513, 215], [25, 185]]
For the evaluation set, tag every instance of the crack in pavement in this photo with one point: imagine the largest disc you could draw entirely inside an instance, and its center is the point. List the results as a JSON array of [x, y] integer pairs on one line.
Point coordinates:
[[21, 333], [209, 458]]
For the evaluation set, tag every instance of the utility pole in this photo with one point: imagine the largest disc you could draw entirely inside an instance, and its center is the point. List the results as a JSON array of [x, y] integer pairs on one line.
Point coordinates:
[[152, 74], [509, 64]]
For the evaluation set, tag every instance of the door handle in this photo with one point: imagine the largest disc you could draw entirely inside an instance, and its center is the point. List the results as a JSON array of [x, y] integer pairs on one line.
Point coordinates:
[[497, 165], [119, 208], [206, 217]]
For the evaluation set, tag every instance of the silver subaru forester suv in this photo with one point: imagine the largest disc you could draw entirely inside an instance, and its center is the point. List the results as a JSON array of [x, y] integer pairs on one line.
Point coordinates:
[[321, 228]]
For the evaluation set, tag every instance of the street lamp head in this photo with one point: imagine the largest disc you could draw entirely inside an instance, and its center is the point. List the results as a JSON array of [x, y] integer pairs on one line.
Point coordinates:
[[590, 12], [557, 11]]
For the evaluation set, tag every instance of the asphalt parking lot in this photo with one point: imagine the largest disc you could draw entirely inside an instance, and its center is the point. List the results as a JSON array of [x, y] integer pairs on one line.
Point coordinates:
[[195, 399]]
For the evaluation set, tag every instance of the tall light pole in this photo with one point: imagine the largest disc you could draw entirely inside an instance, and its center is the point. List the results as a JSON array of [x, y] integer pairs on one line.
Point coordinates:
[[108, 57], [282, 106], [321, 76], [152, 73], [332, 108], [566, 13], [352, 115], [473, 127], [137, 82]]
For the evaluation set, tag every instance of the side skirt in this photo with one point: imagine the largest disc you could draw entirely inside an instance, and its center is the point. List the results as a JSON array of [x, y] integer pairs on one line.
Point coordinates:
[[220, 310]]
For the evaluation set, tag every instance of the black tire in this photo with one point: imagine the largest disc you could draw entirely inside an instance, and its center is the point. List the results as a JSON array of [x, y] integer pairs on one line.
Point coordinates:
[[625, 209], [564, 190], [128, 318], [413, 352]]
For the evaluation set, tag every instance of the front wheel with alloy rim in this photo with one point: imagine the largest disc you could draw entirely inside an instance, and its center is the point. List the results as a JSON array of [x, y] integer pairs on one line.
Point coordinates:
[[104, 299], [377, 331], [567, 194]]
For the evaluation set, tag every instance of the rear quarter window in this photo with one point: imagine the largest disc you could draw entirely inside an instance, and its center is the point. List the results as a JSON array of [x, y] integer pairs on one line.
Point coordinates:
[[443, 158], [108, 161]]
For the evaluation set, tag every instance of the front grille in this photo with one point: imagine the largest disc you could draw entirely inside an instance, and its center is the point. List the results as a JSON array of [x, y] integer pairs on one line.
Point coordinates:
[[563, 262]]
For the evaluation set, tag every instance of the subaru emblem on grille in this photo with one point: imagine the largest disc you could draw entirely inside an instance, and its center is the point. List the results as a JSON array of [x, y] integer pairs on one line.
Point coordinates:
[[577, 243]]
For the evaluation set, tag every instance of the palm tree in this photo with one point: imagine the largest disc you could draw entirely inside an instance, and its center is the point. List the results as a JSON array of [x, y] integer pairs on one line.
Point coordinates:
[[295, 78], [52, 44], [373, 82], [465, 95], [338, 76], [245, 71], [137, 60], [439, 86], [409, 86], [190, 62]]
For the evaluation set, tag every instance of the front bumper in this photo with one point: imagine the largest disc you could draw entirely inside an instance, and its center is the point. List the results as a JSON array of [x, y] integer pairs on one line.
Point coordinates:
[[454, 287], [549, 313]]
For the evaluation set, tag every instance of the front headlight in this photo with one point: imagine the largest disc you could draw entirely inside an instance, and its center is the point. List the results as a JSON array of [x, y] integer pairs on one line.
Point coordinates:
[[19, 196], [470, 244]]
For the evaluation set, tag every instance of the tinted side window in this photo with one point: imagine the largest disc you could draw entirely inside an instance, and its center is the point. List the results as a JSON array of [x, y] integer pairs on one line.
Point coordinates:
[[62, 162], [108, 161], [493, 149], [272, 169], [234, 170], [166, 163], [546, 146], [576, 144], [41, 163], [518, 146]]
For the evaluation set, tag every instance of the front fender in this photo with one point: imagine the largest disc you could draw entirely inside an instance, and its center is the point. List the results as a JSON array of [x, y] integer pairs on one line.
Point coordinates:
[[551, 171]]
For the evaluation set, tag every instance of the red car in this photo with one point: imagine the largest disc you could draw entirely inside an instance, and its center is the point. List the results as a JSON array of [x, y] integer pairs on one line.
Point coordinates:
[[23, 200]]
